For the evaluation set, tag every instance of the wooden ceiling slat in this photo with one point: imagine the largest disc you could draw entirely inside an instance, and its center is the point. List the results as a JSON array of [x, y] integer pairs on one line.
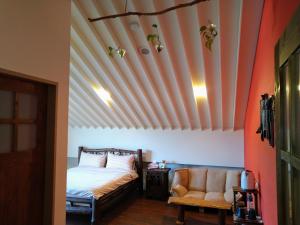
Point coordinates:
[[91, 72], [155, 90], [136, 72], [83, 90], [77, 98], [153, 78], [133, 96]]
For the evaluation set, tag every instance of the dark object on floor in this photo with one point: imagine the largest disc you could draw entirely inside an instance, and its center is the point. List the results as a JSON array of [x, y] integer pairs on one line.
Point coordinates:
[[95, 208], [266, 127], [157, 183]]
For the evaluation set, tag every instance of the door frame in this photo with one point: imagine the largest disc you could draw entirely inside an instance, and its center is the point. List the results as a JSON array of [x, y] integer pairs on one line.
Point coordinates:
[[50, 155], [285, 47]]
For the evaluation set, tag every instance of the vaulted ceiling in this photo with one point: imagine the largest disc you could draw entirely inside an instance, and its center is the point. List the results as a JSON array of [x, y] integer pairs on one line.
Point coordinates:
[[156, 90]]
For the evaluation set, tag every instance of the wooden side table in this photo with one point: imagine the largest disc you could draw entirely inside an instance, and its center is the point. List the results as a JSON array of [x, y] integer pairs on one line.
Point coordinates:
[[244, 192], [157, 183]]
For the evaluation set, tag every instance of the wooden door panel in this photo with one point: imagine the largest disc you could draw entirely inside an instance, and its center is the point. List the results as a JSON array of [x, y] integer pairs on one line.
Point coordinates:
[[22, 167]]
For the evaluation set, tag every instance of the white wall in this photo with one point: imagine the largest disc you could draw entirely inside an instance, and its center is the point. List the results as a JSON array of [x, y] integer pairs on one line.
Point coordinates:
[[34, 40], [217, 148]]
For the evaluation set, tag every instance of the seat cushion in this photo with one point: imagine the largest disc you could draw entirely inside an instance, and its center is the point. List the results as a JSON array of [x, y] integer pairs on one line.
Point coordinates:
[[195, 194], [215, 181], [214, 196], [228, 195], [181, 177], [197, 179], [232, 179]]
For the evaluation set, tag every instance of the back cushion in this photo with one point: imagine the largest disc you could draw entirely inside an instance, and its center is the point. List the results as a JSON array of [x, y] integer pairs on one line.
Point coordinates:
[[197, 179], [232, 179], [125, 162], [88, 159], [181, 177], [215, 180]]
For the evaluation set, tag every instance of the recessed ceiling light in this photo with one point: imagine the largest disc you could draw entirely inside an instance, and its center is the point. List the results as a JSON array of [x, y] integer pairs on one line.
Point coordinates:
[[199, 91], [103, 95]]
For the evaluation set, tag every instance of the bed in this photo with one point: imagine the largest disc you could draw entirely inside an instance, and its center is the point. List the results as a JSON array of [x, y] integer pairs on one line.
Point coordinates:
[[84, 198]]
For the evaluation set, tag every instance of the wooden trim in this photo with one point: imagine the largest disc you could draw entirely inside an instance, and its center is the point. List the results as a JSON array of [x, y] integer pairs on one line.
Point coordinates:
[[50, 155], [290, 39], [27, 84], [285, 47], [4, 72], [17, 121]]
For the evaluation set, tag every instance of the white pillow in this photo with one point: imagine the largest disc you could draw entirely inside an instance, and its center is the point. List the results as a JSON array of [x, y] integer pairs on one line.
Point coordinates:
[[120, 161], [88, 159]]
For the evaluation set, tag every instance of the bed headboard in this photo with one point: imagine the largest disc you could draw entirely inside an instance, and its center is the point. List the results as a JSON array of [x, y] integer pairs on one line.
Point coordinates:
[[101, 151]]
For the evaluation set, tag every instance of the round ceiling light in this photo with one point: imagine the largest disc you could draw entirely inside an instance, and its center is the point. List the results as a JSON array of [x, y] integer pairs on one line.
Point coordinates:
[[134, 26], [144, 50]]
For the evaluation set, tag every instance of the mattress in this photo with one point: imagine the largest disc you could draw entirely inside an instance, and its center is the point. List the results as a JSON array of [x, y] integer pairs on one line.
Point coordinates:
[[87, 181]]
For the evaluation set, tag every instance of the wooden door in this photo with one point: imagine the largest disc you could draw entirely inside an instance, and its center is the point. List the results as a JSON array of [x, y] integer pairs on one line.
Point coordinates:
[[22, 151], [287, 123]]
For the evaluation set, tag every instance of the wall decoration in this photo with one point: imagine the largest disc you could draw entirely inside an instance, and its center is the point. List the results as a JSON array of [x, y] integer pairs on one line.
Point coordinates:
[[116, 51], [266, 127], [209, 33], [154, 39]]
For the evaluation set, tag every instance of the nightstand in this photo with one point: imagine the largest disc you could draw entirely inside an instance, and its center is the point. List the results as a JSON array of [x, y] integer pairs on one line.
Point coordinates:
[[157, 183]]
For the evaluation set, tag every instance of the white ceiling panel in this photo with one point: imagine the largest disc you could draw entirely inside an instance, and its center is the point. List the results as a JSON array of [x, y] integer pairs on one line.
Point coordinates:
[[155, 91]]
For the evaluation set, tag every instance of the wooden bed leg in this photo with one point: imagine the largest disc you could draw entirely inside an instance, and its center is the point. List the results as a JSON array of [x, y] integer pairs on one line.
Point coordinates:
[[93, 218], [180, 218], [222, 217]]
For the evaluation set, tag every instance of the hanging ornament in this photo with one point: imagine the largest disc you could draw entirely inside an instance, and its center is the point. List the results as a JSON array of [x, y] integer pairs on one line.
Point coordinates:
[[154, 39], [208, 33], [116, 51]]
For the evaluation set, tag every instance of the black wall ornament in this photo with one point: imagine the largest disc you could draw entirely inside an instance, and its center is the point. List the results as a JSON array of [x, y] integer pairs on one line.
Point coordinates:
[[266, 127]]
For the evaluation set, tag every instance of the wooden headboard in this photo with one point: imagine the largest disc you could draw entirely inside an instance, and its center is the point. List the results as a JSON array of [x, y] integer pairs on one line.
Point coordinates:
[[101, 151]]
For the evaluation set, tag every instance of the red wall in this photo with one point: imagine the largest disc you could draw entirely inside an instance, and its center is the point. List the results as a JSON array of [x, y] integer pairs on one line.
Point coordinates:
[[259, 156]]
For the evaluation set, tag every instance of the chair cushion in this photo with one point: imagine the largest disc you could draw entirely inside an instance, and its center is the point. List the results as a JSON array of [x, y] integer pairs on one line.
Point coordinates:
[[179, 190], [232, 179], [195, 194], [181, 177], [197, 179], [214, 196], [228, 195], [215, 180]]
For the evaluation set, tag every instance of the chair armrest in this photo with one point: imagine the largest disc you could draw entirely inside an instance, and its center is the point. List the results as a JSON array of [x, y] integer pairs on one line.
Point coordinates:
[[178, 190]]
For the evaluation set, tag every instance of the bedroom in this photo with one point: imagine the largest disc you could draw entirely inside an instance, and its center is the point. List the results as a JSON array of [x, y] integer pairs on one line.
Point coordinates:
[[189, 104]]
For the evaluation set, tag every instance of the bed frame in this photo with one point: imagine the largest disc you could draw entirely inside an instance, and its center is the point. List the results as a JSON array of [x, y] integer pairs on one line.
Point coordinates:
[[95, 207]]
